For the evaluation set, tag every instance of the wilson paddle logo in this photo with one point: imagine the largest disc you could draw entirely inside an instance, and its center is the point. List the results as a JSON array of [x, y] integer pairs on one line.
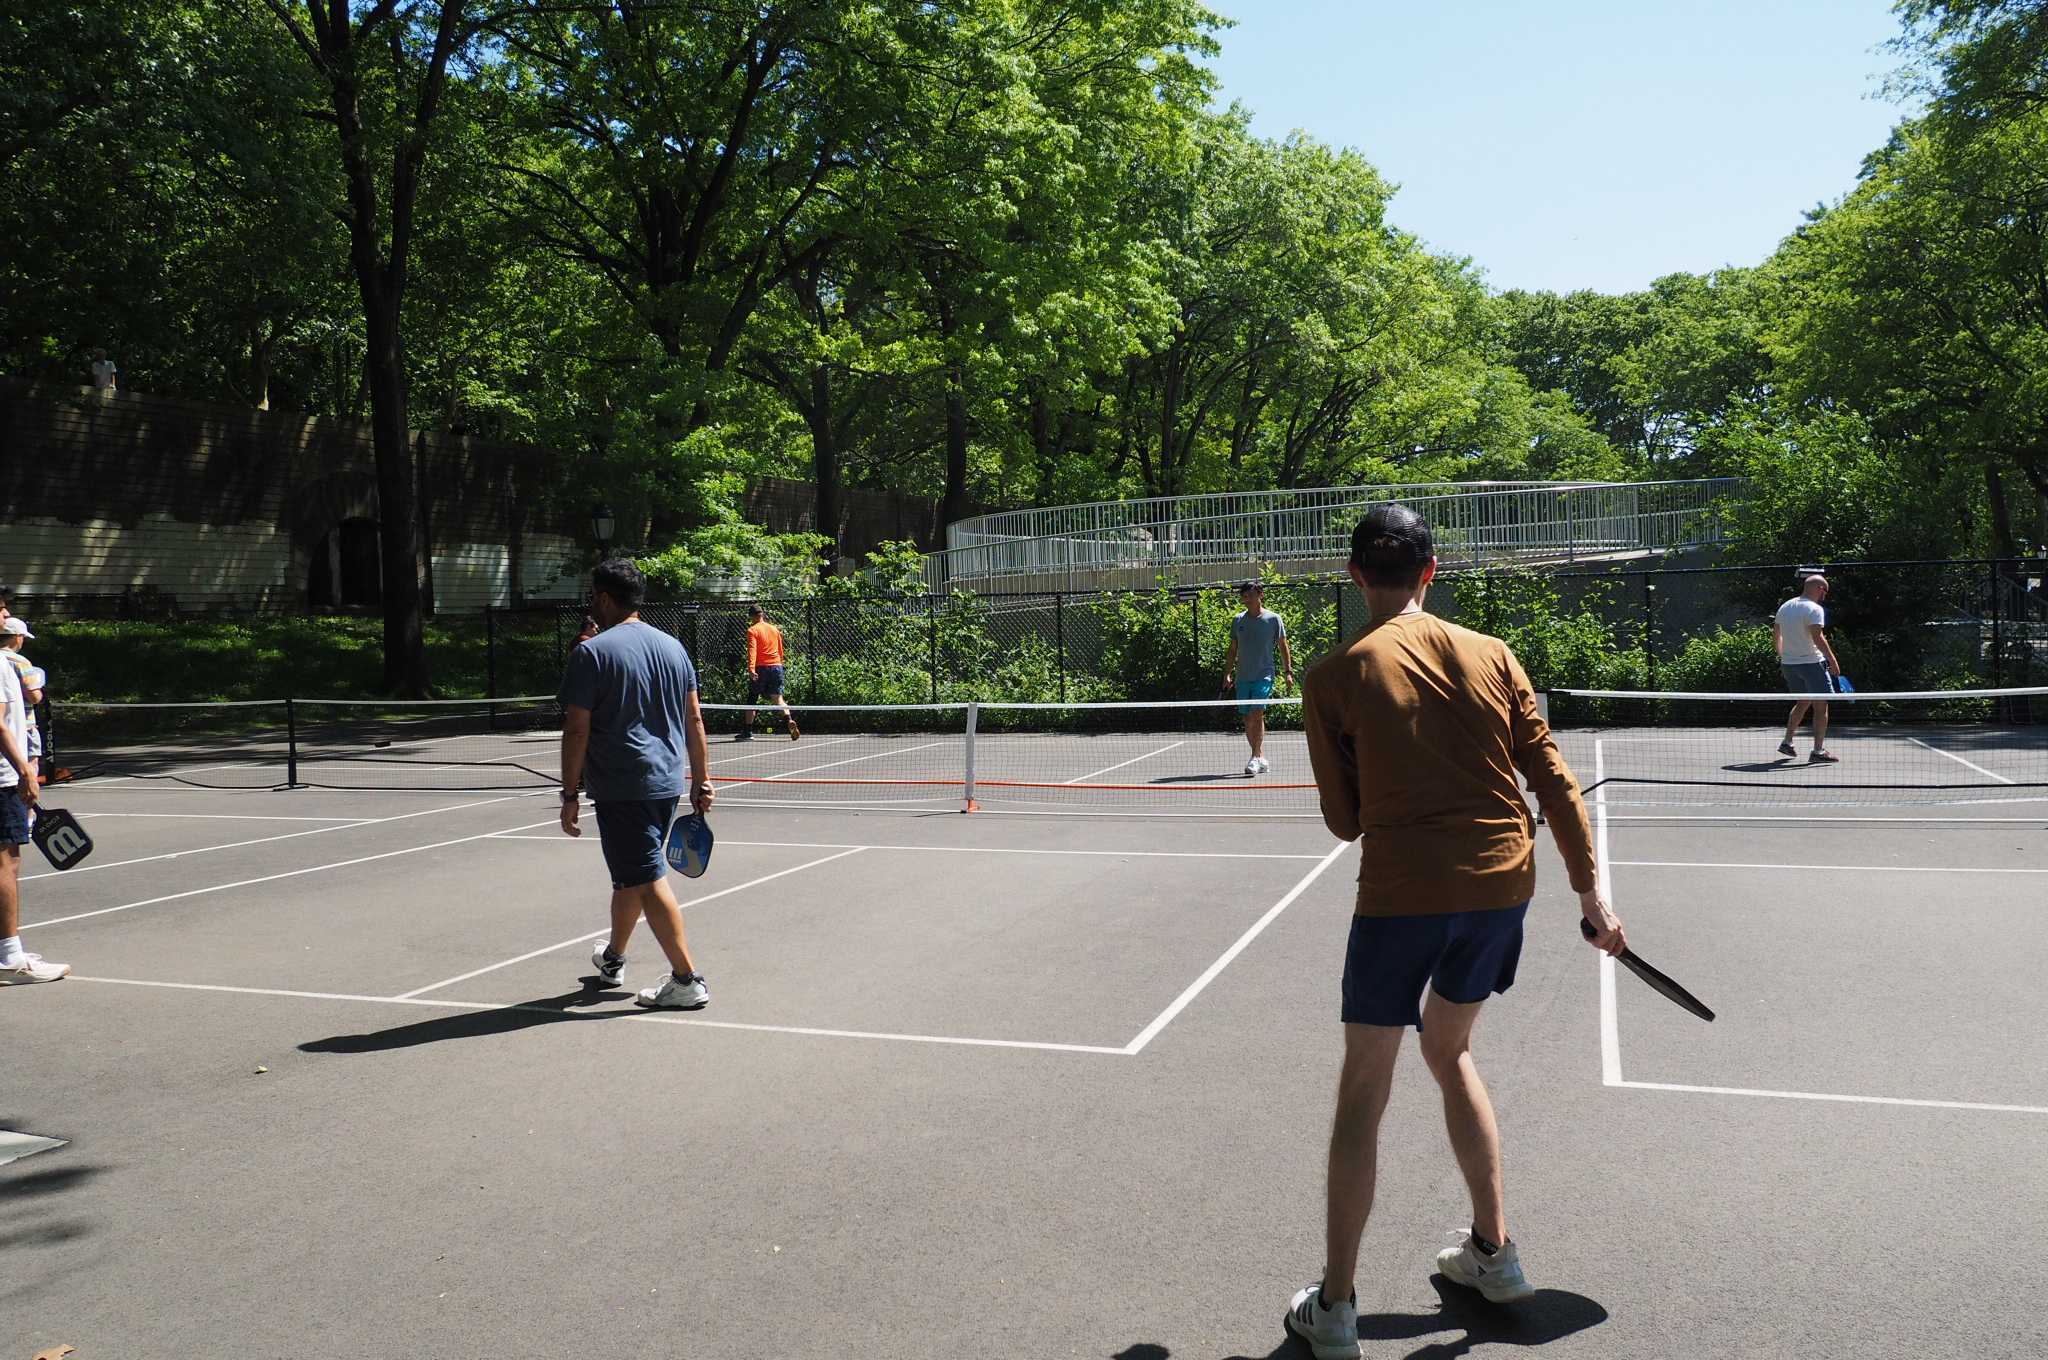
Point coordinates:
[[61, 839]]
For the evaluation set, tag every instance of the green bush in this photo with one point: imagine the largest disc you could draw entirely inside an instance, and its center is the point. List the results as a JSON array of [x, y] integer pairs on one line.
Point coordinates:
[[1727, 660], [1560, 648]]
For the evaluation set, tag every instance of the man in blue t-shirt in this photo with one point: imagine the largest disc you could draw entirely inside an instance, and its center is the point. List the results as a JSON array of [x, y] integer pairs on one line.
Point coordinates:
[[1258, 639], [629, 716]]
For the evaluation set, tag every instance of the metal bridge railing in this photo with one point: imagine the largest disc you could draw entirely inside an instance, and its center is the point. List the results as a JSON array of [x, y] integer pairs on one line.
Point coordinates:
[[1476, 524]]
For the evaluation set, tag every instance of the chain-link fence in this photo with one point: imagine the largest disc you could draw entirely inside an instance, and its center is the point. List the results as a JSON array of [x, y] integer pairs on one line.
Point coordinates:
[[1897, 625]]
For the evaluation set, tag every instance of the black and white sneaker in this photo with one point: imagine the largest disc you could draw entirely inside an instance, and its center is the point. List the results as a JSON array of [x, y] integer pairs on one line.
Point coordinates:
[[1332, 1332], [744, 734], [611, 968]]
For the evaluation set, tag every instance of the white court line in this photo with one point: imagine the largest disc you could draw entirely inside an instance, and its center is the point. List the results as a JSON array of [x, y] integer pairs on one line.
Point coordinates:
[[1610, 1019], [1967, 764], [851, 760], [647, 1017], [960, 849], [1799, 820], [264, 840], [588, 936], [219, 817], [1830, 868], [289, 873], [1121, 763], [1831, 1097], [1194, 989]]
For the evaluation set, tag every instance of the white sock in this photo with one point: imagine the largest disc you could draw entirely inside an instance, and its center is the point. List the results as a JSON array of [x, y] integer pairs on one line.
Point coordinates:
[[10, 949]]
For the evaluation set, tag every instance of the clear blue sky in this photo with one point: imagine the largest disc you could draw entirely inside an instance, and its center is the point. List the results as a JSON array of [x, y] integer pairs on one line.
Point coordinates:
[[1579, 143]]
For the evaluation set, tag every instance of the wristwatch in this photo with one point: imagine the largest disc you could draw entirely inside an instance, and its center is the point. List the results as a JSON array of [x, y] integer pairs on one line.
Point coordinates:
[[570, 795]]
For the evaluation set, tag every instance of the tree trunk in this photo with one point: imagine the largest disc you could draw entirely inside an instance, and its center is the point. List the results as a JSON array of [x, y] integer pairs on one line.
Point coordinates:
[[405, 654], [1042, 450], [2003, 545], [954, 508]]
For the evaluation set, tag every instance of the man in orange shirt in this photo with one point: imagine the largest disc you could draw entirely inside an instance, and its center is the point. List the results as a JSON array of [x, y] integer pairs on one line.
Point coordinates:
[[1417, 731], [764, 672]]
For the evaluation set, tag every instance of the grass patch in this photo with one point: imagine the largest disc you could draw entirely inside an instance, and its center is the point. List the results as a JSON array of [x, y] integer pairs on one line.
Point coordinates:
[[208, 660]]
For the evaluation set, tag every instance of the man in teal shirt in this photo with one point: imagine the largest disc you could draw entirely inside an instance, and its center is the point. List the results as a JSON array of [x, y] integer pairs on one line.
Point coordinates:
[[1257, 637]]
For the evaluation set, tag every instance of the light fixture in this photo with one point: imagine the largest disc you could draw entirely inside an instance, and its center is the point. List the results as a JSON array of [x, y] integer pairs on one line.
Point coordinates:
[[602, 524]]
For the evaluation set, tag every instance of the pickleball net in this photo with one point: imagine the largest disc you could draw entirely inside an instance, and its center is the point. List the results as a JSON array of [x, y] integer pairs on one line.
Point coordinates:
[[1174, 758], [1957, 748]]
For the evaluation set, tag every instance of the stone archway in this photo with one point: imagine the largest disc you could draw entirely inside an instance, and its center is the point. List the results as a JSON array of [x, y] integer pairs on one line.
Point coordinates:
[[336, 554]]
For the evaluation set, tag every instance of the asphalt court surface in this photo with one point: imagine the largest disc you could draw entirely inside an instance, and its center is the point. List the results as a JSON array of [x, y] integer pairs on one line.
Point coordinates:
[[1014, 1086]]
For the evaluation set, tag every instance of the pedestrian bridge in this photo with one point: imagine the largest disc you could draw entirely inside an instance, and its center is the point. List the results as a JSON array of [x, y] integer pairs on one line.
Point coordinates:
[[1192, 540]]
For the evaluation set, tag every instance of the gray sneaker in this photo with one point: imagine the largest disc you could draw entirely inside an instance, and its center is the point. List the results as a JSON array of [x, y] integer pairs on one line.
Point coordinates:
[[674, 994], [1497, 1277]]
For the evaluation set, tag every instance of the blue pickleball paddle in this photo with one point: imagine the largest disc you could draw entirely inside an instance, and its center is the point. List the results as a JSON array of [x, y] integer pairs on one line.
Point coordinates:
[[688, 846]]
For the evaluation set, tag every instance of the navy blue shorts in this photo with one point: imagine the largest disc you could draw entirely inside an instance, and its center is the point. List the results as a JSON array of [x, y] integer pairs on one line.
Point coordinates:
[[631, 833], [13, 817], [1465, 956], [767, 681]]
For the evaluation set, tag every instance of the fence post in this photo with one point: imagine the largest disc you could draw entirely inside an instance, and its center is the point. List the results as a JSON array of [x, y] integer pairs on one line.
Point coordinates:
[[490, 652], [1197, 612], [1997, 638], [1059, 632], [1650, 630], [811, 644], [931, 614]]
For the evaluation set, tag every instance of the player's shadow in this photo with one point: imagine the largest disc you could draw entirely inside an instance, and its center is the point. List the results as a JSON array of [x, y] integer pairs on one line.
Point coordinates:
[[27, 1211], [1773, 766], [1199, 779], [1550, 1315], [483, 1024]]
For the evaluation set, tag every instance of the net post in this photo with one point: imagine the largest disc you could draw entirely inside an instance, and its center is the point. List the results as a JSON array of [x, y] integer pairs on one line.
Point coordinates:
[[967, 803], [931, 615], [811, 644], [1997, 640], [490, 652], [291, 745]]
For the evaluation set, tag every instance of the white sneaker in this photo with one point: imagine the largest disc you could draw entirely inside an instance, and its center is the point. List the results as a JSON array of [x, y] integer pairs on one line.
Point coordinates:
[[1331, 1333], [24, 969], [676, 995], [1497, 1277], [1265, 766], [1251, 767], [608, 970]]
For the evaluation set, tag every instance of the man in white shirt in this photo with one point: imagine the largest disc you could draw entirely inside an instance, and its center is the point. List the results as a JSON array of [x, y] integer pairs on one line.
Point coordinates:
[[18, 793], [1808, 661]]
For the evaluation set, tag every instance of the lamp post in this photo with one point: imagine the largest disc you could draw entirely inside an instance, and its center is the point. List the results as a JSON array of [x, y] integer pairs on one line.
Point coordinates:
[[602, 525]]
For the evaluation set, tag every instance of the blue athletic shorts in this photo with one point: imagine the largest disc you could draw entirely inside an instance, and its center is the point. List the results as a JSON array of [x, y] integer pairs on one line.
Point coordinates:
[[631, 833], [1465, 956], [1249, 688], [767, 681], [13, 817], [1809, 678]]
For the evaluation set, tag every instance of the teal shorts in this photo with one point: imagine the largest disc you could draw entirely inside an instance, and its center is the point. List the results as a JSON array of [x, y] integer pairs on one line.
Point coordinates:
[[1249, 688]]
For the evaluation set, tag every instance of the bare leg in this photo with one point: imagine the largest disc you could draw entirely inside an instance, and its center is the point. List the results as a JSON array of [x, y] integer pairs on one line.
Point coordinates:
[[625, 916], [1820, 726], [1798, 714], [1468, 1112], [1368, 1075], [658, 903], [1255, 731], [10, 889]]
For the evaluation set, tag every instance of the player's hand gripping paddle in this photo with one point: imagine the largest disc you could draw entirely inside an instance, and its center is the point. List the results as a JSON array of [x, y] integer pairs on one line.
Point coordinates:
[[59, 836], [689, 845], [1657, 980]]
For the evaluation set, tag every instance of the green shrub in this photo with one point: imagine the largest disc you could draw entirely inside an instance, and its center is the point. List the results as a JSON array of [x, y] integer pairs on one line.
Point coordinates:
[[1727, 660]]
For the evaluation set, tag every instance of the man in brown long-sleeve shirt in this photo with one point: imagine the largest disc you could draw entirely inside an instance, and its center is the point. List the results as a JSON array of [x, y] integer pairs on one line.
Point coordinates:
[[1417, 731]]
